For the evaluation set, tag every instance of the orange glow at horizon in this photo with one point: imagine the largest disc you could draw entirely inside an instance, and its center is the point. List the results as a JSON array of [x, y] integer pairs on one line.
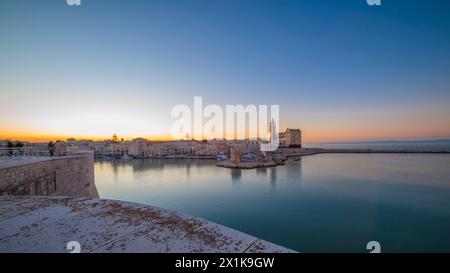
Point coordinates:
[[308, 136], [46, 138]]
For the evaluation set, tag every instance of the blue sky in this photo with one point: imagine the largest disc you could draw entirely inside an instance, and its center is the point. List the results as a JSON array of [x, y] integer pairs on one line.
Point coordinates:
[[340, 70]]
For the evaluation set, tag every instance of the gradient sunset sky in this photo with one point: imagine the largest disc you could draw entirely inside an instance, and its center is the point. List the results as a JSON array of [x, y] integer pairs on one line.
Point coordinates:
[[340, 70]]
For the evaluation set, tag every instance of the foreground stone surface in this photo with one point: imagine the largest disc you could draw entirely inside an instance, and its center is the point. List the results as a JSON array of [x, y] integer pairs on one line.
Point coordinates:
[[47, 224]]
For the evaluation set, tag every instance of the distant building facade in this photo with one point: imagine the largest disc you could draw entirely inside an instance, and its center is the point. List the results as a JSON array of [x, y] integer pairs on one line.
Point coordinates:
[[291, 138], [235, 150]]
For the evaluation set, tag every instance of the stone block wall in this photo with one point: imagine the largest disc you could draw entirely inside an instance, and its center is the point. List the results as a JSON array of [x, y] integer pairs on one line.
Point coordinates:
[[60, 176]]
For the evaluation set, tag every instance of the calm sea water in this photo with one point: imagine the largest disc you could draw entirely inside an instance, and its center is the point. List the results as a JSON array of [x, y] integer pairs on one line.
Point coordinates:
[[430, 145], [321, 203]]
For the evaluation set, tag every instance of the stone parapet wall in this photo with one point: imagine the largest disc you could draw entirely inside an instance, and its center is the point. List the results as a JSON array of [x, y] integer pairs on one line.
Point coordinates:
[[60, 176]]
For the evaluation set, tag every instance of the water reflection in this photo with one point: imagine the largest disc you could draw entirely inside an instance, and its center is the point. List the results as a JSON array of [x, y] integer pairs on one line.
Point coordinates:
[[261, 171], [273, 177], [236, 175], [320, 203], [294, 167], [146, 164]]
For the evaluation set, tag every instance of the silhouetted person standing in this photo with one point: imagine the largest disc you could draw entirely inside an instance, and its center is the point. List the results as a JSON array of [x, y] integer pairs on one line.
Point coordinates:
[[51, 148]]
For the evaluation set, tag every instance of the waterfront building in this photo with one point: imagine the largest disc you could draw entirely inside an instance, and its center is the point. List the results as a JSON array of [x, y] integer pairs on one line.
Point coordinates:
[[120, 148], [235, 156], [102, 148], [206, 148], [138, 147], [143, 148], [291, 138], [247, 145], [222, 146], [153, 148], [80, 145]]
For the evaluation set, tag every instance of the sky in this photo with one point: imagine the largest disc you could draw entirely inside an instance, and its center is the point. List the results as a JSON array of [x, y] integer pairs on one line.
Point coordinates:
[[340, 70]]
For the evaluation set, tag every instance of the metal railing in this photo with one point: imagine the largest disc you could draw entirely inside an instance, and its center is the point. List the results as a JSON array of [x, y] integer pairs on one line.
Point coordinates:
[[22, 153]]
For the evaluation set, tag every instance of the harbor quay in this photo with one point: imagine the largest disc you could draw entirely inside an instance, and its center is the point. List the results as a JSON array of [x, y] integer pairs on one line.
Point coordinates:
[[232, 151]]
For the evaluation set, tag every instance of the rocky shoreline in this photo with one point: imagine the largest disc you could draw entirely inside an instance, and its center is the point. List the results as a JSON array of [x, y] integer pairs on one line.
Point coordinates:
[[246, 165]]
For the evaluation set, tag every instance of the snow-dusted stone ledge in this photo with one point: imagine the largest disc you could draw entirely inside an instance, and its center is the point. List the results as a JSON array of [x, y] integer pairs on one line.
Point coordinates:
[[47, 224]]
